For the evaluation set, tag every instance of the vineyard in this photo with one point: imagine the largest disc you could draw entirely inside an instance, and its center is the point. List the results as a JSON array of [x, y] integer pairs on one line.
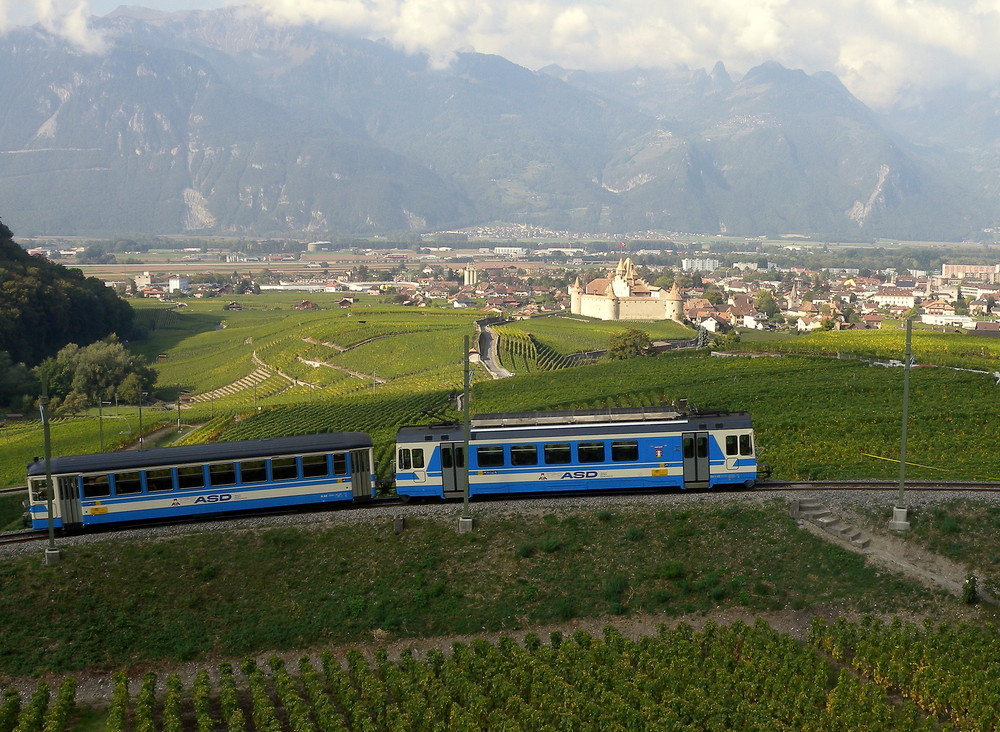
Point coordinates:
[[550, 344], [815, 418], [567, 335], [522, 353], [928, 347], [863, 675]]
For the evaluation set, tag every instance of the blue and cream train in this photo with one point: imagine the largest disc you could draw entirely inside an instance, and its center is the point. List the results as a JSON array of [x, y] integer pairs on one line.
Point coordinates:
[[544, 452], [539, 452]]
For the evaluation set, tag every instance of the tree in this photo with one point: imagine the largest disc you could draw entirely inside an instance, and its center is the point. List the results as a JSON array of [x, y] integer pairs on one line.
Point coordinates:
[[16, 382], [44, 306], [628, 343], [714, 295], [95, 371], [765, 303], [131, 389]]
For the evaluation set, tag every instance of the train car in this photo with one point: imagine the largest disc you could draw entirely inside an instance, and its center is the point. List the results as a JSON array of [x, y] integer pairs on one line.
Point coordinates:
[[617, 449], [193, 480]]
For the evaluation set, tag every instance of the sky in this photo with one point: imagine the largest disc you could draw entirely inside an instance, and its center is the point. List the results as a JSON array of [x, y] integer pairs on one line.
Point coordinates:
[[883, 50]]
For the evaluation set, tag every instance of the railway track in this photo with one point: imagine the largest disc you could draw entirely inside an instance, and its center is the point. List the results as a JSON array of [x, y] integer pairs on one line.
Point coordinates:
[[769, 486], [21, 537]]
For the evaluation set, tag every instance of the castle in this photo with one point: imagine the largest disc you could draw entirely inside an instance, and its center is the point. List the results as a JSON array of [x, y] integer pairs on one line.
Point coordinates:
[[623, 295]]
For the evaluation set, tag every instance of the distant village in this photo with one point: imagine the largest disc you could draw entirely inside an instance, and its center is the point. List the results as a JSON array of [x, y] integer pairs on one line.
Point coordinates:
[[505, 281]]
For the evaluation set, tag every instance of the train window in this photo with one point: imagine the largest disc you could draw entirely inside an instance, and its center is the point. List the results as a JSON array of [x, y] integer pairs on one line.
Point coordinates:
[[746, 445], [624, 450], [702, 442], [190, 476], [38, 491], [490, 456], [339, 463], [284, 469], [315, 466], [590, 452], [127, 483], [688, 443], [452, 456], [418, 458], [404, 462], [731, 445], [160, 480], [557, 453], [523, 455], [96, 486], [253, 471], [222, 474]]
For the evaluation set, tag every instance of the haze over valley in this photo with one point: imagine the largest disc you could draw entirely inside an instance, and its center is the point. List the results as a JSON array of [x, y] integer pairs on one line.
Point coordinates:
[[224, 122]]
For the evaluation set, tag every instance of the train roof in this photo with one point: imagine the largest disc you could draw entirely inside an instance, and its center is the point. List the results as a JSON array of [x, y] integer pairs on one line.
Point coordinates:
[[583, 418], [578, 416], [181, 454]]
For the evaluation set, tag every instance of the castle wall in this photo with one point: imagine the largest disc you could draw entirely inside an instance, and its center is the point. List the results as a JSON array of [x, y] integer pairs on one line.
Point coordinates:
[[630, 308], [635, 308]]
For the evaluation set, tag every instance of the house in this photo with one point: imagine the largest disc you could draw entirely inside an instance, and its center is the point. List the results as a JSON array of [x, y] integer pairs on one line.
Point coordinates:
[[306, 305], [808, 323], [872, 320], [713, 324], [894, 297], [979, 307], [938, 307], [990, 330]]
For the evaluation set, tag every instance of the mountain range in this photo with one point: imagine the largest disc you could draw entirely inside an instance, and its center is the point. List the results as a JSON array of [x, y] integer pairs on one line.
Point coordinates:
[[216, 122]]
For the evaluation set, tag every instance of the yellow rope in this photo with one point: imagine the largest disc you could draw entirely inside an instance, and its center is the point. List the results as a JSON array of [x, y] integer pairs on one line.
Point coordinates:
[[917, 465]]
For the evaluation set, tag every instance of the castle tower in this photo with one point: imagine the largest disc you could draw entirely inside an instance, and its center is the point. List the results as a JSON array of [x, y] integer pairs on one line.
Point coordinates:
[[674, 304], [575, 293]]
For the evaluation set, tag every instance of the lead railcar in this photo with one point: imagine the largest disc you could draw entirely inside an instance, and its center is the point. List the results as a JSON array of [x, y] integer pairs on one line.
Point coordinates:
[[191, 480], [619, 449]]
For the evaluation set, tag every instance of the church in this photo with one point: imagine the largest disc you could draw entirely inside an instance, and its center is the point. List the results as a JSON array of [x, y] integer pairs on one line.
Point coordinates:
[[623, 295]]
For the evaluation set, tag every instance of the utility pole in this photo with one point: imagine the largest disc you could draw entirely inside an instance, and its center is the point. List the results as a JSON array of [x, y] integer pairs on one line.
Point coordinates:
[[142, 398], [465, 523], [52, 554], [900, 522]]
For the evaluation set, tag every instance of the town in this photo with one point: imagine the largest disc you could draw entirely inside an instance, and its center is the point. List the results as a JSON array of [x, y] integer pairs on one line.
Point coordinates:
[[714, 292]]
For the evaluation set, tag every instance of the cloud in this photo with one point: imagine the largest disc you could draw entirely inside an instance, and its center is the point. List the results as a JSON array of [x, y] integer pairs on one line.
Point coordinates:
[[65, 18], [877, 47]]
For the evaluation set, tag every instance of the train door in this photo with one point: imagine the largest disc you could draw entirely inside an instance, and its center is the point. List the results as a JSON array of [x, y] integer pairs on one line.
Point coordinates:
[[454, 475], [694, 447], [68, 494], [361, 473]]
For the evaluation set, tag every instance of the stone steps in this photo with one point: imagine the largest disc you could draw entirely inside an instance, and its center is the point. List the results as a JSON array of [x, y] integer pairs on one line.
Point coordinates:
[[811, 510]]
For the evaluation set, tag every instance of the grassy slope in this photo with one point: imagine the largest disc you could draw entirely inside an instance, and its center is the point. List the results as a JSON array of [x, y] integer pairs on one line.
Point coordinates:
[[125, 602]]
